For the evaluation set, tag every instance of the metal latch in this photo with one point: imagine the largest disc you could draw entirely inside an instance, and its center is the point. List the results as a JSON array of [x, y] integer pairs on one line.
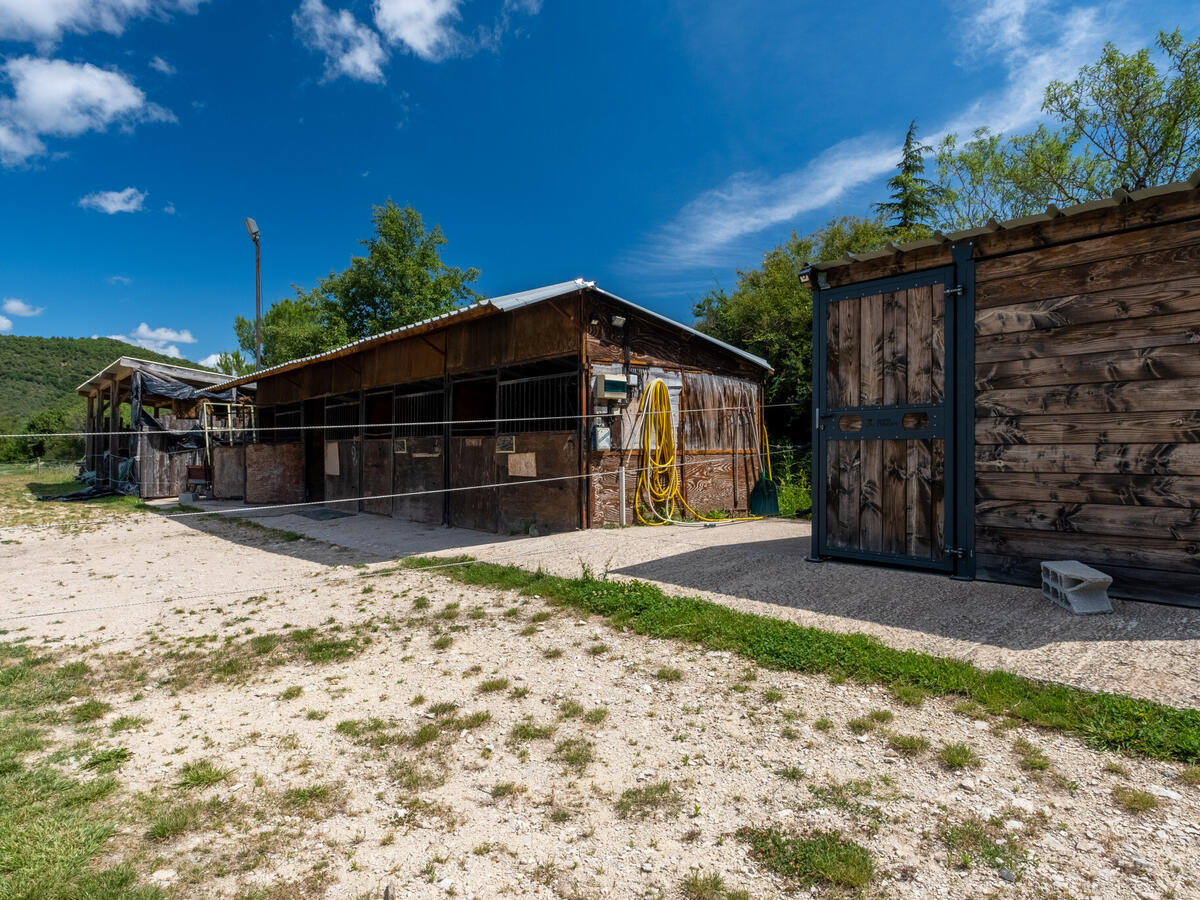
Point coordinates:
[[956, 552], [956, 291]]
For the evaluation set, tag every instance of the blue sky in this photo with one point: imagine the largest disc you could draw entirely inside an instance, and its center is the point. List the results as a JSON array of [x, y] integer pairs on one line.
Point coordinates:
[[653, 147]]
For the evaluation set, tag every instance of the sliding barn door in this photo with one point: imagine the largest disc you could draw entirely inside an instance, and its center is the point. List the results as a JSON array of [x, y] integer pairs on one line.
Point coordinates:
[[886, 433]]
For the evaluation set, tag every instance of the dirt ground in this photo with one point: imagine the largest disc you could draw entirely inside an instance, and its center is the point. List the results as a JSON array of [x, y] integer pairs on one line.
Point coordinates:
[[577, 761], [1143, 649]]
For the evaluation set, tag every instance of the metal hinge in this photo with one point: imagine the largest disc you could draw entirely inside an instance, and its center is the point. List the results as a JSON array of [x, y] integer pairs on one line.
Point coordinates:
[[956, 552], [956, 291]]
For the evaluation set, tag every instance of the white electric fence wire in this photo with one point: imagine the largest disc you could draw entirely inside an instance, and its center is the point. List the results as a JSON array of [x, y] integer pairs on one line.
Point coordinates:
[[361, 425], [240, 511]]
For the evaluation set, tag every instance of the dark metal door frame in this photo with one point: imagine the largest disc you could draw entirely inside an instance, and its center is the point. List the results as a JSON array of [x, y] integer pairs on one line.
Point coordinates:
[[953, 420]]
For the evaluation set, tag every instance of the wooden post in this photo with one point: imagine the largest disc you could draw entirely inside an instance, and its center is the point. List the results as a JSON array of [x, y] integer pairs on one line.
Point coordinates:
[[89, 426], [114, 429]]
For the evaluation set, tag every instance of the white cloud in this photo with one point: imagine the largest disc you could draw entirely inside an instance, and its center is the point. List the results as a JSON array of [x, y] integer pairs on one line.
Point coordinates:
[[160, 340], [128, 200], [5, 325], [169, 209], [45, 21], [210, 361], [15, 307], [161, 65], [425, 27], [120, 280], [56, 98], [351, 48], [1033, 43]]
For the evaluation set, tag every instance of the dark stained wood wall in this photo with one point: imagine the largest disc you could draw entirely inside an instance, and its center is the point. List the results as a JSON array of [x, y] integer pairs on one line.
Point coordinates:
[[1088, 410], [887, 496], [576, 325]]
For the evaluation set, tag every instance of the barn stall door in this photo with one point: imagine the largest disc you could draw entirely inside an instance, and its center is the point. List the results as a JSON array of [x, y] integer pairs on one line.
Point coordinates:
[[887, 437]]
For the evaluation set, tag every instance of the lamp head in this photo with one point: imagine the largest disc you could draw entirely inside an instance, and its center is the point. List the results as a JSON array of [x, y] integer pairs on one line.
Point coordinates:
[[251, 229]]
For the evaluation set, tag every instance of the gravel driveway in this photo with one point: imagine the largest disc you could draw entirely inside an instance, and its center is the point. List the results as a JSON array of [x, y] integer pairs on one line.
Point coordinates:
[[1142, 649]]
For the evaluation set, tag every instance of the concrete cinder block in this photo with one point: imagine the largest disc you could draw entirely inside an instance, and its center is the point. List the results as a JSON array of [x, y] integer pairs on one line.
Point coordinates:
[[1076, 587], [187, 498]]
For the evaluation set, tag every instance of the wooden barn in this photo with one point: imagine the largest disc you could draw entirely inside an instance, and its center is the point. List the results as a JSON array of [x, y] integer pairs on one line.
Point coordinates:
[[488, 417], [157, 429], [1024, 391]]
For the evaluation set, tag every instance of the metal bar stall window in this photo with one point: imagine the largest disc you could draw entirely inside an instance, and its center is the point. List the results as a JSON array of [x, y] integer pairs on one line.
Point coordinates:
[[287, 418], [378, 411], [534, 403], [414, 409], [342, 417]]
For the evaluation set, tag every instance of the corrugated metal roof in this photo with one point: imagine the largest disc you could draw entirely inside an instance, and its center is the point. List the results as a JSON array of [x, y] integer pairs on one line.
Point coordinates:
[[502, 304], [1052, 212]]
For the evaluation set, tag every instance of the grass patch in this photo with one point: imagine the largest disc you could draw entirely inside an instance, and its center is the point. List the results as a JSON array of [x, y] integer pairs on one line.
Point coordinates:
[[570, 709], [128, 723], [173, 821], [89, 711], [443, 642], [575, 753], [908, 744], [973, 839], [201, 773], [822, 857], [528, 730], [640, 802], [823, 723], [1105, 721], [53, 828], [908, 694], [959, 756], [595, 715], [861, 724], [505, 789], [1133, 800], [492, 685], [697, 886], [1190, 775], [1029, 757], [666, 673], [105, 761]]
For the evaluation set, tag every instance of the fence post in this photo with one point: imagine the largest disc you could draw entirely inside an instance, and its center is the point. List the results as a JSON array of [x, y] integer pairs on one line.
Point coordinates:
[[621, 493]]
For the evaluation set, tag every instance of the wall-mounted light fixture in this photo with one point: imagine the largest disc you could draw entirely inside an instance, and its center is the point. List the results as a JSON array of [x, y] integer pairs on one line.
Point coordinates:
[[618, 321]]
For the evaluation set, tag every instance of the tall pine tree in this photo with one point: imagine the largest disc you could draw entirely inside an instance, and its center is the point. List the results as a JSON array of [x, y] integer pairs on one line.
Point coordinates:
[[913, 205]]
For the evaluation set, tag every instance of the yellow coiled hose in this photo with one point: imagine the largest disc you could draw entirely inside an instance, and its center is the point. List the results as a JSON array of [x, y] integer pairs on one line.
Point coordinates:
[[658, 481]]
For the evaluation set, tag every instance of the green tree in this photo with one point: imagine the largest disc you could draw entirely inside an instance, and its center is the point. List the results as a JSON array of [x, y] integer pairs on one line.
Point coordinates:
[[1124, 122], [293, 327], [401, 279], [234, 363], [769, 314], [912, 206]]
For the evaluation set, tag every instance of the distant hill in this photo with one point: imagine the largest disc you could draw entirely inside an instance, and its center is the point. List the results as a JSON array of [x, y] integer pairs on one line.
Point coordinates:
[[39, 373]]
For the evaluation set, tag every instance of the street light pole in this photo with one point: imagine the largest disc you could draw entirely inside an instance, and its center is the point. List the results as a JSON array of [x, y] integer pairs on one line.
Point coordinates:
[[252, 230]]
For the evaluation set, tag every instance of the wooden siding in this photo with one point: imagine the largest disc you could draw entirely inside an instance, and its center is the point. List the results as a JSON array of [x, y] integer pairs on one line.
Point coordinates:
[[229, 472], [1088, 410], [418, 467]]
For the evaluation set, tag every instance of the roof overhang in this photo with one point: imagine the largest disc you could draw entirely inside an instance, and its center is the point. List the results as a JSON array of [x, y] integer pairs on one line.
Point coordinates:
[[484, 308], [123, 367], [1037, 220]]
